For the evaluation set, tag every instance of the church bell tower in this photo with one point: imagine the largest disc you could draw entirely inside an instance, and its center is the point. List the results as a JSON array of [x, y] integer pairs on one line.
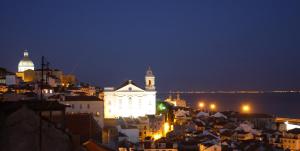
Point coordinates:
[[149, 80]]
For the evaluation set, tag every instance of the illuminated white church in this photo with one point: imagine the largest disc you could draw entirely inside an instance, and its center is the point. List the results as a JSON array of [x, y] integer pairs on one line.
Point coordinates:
[[25, 63], [129, 100]]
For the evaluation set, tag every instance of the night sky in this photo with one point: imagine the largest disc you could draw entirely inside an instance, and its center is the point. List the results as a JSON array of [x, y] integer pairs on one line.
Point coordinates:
[[190, 45]]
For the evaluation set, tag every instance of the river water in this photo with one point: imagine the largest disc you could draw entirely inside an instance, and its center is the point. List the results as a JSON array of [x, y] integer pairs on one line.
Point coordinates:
[[278, 104]]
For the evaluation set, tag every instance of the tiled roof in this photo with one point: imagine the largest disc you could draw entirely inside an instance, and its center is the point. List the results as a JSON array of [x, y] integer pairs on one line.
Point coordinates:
[[82, 98], [122, 135], [36, 105], [82, 124], [126, 83], [294, 131], [47, 70], [254, 115], [92, 146]]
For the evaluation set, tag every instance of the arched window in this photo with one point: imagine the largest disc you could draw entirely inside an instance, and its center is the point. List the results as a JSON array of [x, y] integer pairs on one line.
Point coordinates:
[[149, 82]]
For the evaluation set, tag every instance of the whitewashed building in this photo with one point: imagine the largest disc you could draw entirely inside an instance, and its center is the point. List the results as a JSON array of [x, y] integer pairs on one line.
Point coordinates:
[[129, 100]]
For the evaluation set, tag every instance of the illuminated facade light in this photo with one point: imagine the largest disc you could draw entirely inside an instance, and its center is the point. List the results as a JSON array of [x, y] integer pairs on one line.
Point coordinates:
[[166, 128], [157, 136]]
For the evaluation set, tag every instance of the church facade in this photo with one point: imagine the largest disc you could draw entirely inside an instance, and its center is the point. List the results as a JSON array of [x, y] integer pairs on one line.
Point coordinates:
[[129, 100]]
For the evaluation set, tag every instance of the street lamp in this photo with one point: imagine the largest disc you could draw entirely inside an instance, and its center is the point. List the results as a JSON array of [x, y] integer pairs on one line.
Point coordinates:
[[201, 104], [212, 107], [246, 108]]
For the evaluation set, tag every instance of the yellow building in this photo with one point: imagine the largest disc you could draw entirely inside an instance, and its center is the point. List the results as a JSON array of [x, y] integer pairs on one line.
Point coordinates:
[[209, 147], [3, 88], [68, 79], [26, 68], [27, 75], [291, 139], [177, 101], [152, 126]]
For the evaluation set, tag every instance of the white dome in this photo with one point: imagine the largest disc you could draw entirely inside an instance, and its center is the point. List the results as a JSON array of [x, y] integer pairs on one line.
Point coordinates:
[[25, 63]]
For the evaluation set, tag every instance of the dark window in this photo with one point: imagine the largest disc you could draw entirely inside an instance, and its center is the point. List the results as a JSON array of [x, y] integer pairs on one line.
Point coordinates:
[[88, 106]]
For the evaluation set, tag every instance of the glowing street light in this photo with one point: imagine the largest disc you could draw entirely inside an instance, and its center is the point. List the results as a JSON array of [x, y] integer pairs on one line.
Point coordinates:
[[246, 108], [201, 105], [212, 106]]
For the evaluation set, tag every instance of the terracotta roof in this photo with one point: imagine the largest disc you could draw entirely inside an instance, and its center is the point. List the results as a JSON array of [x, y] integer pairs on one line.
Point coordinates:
[[227, 133], [122, 135], [294, 131], [36, 105], [92, 146], [30, 94], [82, 124], [73, 88], [82, 98], [254, 115], [126, 83], [47, 69]]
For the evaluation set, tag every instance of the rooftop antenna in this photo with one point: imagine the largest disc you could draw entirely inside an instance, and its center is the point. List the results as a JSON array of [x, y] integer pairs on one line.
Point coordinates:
[[48, 72]]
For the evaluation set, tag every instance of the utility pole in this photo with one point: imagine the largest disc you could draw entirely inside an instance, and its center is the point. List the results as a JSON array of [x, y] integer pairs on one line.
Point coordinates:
[[42, 79], [41, 102]]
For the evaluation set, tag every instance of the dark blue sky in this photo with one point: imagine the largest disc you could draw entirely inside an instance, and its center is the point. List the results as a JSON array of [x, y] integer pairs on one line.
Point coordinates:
[[191, 45]]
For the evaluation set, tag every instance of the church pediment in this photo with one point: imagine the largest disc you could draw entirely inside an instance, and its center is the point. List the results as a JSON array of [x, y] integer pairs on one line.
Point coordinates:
[[129, 86]]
